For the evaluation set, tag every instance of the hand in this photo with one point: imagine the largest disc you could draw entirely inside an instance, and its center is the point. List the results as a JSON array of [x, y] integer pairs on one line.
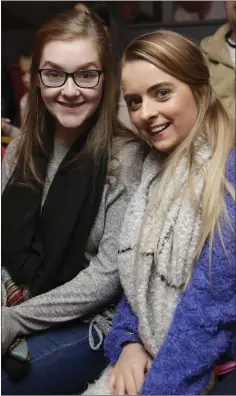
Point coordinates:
[[128, 375], [6, 126]]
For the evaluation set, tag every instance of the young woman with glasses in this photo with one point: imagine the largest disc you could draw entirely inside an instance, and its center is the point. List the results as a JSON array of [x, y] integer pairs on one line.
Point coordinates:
[[66, 184]]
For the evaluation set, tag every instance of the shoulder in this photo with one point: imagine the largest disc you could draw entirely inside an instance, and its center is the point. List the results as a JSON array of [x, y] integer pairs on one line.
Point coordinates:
[[9, 161], [131, 153], [209, 40], [127, 159]]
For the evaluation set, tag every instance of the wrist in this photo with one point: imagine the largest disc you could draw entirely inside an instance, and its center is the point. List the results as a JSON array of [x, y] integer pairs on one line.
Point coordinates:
[[131, 345]]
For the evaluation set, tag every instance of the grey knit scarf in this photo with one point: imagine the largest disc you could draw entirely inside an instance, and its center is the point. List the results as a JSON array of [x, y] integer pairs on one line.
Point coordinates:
[[157, 245]]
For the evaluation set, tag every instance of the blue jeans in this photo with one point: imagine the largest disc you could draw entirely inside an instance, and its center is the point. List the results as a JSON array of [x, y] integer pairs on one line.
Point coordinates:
[[61, 362]]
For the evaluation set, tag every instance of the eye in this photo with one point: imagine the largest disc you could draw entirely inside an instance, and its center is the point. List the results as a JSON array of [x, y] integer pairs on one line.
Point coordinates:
[[162, 94], [87, 75], [53, 73], [133, 103]]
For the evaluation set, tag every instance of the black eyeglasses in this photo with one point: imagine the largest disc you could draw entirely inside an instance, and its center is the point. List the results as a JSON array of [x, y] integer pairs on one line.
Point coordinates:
[[54, 78]]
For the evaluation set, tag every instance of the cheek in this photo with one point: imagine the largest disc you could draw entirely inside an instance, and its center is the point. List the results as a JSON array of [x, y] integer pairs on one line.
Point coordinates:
[[184, 116], [135, 118], [95, 97], [48, 96], [191, 114]]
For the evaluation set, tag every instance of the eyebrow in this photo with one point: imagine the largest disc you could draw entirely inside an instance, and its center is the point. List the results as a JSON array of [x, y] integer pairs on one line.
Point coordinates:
[[130, 97], [57, 66], [162, 84]]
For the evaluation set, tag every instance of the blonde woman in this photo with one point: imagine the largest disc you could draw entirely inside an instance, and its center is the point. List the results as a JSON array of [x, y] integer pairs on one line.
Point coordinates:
[[177, 245]]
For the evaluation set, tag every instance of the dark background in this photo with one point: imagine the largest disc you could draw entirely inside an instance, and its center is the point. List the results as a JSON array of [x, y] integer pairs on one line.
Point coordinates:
[[21, 19]]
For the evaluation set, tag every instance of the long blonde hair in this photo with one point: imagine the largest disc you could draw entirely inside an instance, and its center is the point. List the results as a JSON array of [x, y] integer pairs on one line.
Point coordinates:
[[180, 57], [39, 124]]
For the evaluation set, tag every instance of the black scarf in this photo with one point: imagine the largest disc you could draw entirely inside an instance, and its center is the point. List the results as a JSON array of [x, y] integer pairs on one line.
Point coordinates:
[[44, 249]]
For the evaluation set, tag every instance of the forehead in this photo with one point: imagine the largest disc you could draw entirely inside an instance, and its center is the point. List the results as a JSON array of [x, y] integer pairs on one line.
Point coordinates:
[[71, 54], [140, 75]]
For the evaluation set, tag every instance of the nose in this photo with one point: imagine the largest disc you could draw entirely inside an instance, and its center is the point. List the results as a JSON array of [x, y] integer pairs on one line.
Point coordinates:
[[70, 88], [149, 110]]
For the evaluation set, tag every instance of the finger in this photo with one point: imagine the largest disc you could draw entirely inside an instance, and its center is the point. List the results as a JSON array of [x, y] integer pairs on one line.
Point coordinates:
[[149, 363], [139, 376], [120, 385], [130, 385], [111, 381]]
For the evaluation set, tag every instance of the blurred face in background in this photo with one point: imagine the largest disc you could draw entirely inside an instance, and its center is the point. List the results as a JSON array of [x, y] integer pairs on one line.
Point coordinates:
[[25, 65], [129, 10], [80, 6]]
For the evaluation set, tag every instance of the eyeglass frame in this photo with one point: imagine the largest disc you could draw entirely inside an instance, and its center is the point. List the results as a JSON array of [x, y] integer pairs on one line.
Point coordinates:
[[70, 75]]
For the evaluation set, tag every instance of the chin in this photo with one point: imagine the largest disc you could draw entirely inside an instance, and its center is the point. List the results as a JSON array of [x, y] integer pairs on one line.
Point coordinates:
[[69, 124], [164, 148]]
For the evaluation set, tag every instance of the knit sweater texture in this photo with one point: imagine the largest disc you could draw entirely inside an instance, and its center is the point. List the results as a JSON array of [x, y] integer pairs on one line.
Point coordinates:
[[200, 329], [99, 282]]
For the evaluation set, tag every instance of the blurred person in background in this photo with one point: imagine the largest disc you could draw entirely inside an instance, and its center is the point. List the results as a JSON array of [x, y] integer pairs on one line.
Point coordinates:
[[131, 12], [25, 59], [191, 10], [8, 105], [220, 50]]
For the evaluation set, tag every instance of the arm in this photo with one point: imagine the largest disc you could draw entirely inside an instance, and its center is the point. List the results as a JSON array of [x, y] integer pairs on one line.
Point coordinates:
[[9, 162], [93, 286], [10, 129], [124, 329], [200, 330], [126, 351]]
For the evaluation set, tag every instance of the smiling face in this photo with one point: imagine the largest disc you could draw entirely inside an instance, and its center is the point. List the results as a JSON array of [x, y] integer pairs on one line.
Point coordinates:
[[162, 108], [69, 104]]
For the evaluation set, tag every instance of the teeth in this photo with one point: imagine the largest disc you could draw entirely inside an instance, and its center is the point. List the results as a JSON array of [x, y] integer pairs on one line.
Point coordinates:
[[70, 105], [67, 105], [159, 128]]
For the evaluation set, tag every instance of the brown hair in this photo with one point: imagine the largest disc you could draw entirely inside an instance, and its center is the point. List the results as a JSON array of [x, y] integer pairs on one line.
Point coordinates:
[[39, 124]]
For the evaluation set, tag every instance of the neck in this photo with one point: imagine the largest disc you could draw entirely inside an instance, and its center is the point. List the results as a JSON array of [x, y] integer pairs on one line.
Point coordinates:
[[66, 135]]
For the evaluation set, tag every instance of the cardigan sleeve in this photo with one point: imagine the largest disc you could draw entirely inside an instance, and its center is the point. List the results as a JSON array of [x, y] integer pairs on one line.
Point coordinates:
[[124, 329], [9, 162], [201, 329], [99, 282]]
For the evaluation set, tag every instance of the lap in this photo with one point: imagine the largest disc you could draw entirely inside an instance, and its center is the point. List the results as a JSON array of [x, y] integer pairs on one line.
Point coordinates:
[[100, 387], [61, 362]]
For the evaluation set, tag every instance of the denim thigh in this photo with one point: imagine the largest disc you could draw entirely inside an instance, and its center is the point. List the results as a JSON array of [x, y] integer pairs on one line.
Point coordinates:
[[61, 362]]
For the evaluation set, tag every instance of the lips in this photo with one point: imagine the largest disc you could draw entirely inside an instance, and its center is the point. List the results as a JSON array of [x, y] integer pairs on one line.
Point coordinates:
[[70, 105], [159, 128]]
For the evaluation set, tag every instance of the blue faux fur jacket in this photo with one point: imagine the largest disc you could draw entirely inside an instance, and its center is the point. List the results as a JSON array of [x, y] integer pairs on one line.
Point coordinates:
[[201, 327]]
